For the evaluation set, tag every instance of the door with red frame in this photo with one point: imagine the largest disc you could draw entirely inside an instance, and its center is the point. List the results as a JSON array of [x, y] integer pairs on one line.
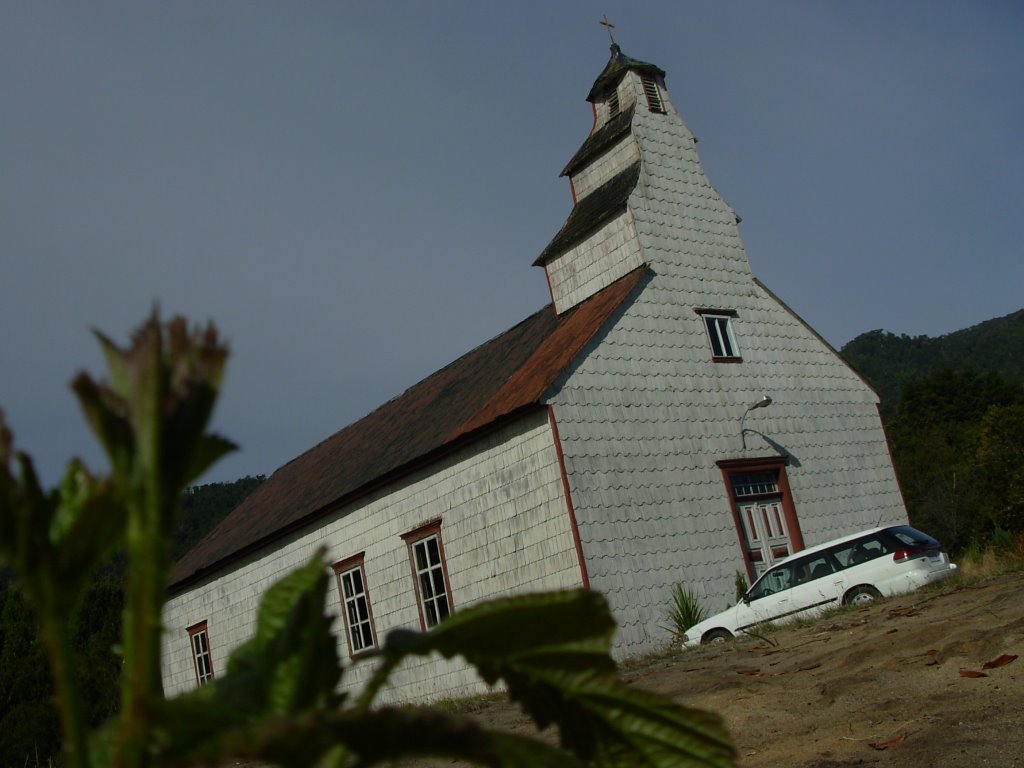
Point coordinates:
[[767, 535]]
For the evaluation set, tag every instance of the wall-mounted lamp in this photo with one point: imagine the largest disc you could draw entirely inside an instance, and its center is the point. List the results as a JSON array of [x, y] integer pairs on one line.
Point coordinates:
[[764, 402]]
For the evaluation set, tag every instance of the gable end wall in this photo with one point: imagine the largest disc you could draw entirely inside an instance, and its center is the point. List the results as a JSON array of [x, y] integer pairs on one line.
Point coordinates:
[[645, 414]]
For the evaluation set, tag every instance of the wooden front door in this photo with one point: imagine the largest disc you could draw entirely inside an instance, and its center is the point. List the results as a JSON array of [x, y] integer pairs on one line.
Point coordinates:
[[767, 536]]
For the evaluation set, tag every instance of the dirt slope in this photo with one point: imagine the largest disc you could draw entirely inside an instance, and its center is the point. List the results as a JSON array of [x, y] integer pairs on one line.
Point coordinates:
[[882, 686]]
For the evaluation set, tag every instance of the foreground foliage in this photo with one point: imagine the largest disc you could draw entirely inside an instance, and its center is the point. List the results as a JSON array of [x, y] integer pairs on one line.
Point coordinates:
[[278, 701]]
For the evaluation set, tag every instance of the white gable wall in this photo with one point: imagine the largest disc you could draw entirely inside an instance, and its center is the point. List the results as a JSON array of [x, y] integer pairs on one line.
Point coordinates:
[[646, 414], [505, 529]]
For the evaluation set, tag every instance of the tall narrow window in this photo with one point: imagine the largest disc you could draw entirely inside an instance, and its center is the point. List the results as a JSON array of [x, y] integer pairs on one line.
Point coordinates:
[[199, 640], [719, 327], [654, 102], [426, 553], [355, 603]]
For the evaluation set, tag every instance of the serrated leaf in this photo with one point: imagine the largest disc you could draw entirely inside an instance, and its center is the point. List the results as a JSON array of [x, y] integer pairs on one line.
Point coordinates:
[[552, 652], [207, 452], [396, 733], [289, 668], [560, 630]]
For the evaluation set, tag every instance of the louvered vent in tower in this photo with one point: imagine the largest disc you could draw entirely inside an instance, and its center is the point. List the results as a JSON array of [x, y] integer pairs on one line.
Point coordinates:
[[651, 92]]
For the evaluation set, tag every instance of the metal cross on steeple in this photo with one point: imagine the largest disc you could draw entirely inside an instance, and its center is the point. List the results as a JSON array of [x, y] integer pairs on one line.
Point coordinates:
[[607, 25]]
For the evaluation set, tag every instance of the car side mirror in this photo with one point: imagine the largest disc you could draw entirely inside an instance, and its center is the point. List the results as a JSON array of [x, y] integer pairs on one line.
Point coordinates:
[[745, 599]]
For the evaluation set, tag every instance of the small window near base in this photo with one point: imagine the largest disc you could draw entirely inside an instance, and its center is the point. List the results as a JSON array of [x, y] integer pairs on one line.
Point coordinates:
[[199, 640], [430, 574], [355, 604]]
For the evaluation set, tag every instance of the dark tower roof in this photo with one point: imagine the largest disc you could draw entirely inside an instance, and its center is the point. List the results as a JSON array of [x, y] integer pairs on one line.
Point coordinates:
[[616, 68]]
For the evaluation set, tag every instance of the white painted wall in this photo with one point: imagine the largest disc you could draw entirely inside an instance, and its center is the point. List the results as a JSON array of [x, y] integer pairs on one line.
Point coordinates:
[[505, 529]]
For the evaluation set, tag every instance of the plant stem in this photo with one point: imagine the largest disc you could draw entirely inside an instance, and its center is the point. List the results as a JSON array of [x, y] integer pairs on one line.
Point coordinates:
[[141, 686], [56, 635]]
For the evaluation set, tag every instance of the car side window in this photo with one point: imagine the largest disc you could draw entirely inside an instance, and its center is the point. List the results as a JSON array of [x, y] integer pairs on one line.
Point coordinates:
[[860, 551], [818, 567]]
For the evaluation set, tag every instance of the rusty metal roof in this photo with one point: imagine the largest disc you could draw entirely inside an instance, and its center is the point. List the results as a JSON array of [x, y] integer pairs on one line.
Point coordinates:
[[482, 389]]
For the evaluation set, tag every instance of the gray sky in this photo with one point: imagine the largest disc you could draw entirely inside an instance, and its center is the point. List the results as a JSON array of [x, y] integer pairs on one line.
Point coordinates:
[[354, 192]]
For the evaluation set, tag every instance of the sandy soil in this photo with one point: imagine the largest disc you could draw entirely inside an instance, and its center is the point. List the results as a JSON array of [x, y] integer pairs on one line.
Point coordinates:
[[881, 686]]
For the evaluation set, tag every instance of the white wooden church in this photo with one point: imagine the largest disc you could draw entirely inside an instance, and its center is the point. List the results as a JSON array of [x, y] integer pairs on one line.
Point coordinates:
[[665, 419]]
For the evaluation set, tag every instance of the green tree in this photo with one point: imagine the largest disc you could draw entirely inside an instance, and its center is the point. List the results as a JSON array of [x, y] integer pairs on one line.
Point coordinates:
[[203, 506], [1000, 459], [278, 701], [936, 440]]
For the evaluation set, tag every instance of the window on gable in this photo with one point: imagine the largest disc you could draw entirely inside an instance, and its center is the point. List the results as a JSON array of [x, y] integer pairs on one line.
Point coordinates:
[[719, 327], [654, 102], [433, 594], [199, 640], [355, 603]]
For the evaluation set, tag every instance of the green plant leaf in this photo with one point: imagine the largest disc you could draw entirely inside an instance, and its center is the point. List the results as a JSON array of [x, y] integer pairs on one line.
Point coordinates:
[[208, 451], [288, 668], [395, 733], [552, 651]]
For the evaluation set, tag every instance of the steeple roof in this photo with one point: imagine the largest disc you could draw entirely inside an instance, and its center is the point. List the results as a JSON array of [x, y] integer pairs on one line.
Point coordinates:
[[616, 68]]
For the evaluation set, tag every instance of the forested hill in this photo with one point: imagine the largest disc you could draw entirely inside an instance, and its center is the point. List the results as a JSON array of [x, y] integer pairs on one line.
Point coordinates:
[[889, 361], [203, 506]]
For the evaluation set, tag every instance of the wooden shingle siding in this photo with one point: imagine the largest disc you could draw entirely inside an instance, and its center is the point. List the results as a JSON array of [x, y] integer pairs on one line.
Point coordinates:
[[505, 529], [646, 414], [616, 159], [598, 261]]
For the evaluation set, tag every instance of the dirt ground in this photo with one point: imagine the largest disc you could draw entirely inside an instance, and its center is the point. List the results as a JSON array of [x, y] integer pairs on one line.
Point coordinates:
[[906, 683]]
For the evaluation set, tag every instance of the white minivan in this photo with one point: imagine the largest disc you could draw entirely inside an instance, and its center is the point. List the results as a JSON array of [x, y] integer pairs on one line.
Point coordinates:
[[852, 570]]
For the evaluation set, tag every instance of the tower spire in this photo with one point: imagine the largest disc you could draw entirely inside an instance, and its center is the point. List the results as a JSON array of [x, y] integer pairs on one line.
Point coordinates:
[[609, 26]]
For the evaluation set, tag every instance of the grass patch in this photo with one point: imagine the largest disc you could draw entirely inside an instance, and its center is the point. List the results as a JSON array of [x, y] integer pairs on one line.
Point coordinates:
[[980, 563], [468, 704]]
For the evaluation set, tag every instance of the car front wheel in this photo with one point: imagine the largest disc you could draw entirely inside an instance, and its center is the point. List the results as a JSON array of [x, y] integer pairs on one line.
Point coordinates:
[[716, 637], [861, 596]]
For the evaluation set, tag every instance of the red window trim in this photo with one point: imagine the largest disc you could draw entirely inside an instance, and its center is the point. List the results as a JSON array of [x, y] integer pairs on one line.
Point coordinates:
[[431, 528], [195, 629], [730, 467], [347, 564]]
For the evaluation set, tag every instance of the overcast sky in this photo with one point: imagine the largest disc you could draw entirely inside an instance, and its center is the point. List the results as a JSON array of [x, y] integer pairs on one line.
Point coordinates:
[[355, 192]]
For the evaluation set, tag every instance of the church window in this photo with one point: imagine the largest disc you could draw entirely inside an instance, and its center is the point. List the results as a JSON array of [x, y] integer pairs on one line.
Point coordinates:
[[355, 605], [430, 574], [199, 640], [654, 102], [719, 328]]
